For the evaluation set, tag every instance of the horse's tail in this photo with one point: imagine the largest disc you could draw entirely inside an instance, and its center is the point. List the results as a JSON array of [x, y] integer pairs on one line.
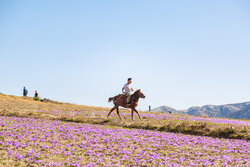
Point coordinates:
[[111, 99]]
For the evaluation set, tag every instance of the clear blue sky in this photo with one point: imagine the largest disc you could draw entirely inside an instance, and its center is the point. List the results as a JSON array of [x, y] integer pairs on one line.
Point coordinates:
[[179, 53]]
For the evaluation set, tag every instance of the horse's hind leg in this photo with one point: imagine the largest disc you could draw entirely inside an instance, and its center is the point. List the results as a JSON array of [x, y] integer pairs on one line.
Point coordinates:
[[111, 111], [117, 110]]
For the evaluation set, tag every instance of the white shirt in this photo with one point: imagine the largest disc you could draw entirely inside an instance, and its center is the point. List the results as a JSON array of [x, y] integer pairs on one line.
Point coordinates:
[[127, 88]]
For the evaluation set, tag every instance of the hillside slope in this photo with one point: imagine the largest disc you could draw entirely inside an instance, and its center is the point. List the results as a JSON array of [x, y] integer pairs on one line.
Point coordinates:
[[17, 103], [13, 106]]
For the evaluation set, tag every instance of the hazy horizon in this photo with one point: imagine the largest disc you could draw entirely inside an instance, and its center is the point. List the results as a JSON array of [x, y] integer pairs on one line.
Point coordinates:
[[180, 54]]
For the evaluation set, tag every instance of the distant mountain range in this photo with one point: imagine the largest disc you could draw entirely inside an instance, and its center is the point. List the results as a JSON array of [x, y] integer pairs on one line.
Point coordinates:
[[235, 111]]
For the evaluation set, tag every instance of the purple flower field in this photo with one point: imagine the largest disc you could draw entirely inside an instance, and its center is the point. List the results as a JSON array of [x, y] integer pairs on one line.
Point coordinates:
[[38, 142]]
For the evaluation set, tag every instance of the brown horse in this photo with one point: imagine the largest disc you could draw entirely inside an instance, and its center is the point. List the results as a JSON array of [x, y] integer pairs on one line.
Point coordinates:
[[120, 100]]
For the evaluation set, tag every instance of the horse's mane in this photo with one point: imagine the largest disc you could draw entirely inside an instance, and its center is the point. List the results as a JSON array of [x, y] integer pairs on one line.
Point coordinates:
[[138, 90]]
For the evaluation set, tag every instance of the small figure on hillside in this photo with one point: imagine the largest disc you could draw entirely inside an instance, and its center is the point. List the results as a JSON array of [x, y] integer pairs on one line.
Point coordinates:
[[36, 98], [25, 92], [127, 89], [36, 94]]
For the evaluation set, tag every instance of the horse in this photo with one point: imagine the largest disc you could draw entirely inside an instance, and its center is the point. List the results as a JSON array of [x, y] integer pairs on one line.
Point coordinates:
[[120, 100]]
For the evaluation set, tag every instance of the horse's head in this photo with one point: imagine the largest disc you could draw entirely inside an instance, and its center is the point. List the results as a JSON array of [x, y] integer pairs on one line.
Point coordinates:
[[140, 94]]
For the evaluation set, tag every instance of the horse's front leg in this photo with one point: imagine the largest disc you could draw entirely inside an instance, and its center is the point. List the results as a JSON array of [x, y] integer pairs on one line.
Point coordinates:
[[132, 114], [137, 113]]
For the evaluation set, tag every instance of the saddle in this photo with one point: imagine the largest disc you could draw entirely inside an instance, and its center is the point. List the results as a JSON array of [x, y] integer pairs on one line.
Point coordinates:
[[123, 99]]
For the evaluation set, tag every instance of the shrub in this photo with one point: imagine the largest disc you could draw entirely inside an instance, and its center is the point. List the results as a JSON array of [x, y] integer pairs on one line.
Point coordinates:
[[150, 127], [105, 121], [237, 136], [36, 99], [163, 128]]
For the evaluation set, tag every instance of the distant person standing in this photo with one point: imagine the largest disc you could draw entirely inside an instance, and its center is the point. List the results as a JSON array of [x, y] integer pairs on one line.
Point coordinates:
[[25, 92], [36, 94]]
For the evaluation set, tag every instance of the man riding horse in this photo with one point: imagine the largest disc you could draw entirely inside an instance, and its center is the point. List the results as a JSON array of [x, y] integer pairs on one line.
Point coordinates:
[[127, 89], [126, 100]]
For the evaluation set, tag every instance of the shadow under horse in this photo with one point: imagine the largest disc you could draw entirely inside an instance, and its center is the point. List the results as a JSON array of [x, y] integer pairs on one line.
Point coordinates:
[[120, 100]]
